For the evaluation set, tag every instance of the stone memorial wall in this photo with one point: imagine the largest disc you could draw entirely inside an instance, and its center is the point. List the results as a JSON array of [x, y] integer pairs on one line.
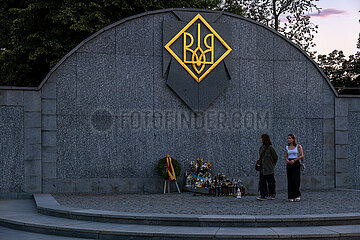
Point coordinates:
[[120, 101]]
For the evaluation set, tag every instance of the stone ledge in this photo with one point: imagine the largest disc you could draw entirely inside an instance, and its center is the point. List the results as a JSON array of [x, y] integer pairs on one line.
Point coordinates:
[[46, 204]]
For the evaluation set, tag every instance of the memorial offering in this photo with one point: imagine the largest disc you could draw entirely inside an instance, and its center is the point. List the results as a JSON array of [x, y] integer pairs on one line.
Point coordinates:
[[200, 180]]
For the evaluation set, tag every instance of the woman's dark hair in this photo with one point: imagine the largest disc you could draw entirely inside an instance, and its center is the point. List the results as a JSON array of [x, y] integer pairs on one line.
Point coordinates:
[[293, 137], [266, 139]]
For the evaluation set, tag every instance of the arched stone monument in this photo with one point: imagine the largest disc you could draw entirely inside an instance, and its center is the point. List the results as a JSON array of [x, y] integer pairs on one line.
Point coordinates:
[[184, 82]]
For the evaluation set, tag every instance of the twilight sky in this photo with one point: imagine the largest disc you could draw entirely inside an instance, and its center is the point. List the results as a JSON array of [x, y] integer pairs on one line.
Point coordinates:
[[339, 26]]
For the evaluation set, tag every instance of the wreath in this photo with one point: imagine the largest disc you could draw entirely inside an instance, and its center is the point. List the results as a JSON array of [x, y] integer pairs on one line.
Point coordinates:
[[162, 170]]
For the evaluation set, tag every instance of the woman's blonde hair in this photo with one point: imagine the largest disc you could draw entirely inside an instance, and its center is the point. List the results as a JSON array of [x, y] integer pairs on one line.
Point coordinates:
[[293, 137]]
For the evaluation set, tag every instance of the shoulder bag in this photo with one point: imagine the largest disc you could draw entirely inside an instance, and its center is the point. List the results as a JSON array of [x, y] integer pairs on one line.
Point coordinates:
[[302, 164]]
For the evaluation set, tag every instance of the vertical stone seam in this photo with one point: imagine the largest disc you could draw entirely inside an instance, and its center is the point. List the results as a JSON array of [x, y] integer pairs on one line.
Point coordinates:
[[335, 151]]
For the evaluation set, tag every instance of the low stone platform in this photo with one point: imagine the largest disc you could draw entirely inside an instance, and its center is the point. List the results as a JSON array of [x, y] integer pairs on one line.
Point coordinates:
[[313, 202], [34, 216]]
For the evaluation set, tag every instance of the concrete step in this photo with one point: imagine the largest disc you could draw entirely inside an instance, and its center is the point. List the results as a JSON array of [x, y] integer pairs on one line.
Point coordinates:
[[23, 215], [13, 234], [46, 204]]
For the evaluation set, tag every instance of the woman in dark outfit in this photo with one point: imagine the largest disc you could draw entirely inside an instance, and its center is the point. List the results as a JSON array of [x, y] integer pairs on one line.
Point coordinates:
[[293, 154], [267, 179]]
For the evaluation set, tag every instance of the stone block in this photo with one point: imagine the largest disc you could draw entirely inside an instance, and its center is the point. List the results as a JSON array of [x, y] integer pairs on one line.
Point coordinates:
[[329, 167], [49, 154], [342, 180], [135, 95], [49, 185], [48, 106], [32, 101], [158, 31], [342, 137], [341, 107], [86, 185], [286, 50], [255, 91], [341, 165], [313, 147], [329, 152], [32, 168], [314, 91], [12, 153], [341, 123], [354, 104], [103, 43], [61, 185], [328, 125], [281, 183], [66, 81], [154, 185], [354, 148], [136, 38], [48, 122], [33, 184], [329, 182], [32, 119], [48, 90], [328, 138], [97, 84], [75, 138], [341, 151], [121, 185], [49, 170], [48, 138], [316, 182], [290, 77], [32, 151], [14, 97], [328, 95], [265, 44], [254, 41], [32, 135], [329, 111]]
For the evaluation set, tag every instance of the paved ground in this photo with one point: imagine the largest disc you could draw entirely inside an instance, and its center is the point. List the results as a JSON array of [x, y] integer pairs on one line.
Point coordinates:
[[12, 234], [318, 202]]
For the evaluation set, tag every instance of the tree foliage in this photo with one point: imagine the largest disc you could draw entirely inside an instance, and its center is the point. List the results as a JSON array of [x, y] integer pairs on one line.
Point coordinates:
[[343, 72], [289, 17], [36, 34]]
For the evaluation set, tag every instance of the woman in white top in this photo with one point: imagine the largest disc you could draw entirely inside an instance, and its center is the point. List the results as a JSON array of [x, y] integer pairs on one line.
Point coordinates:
[[293, 154]]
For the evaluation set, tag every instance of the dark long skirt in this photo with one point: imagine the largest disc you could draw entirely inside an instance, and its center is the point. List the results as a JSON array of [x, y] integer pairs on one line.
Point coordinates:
[[293, 178]]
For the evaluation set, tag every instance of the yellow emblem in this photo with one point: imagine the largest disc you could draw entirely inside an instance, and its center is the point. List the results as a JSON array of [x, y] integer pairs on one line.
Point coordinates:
[[198, 59]]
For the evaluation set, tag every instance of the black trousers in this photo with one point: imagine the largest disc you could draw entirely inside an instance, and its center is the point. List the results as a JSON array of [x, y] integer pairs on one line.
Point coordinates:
[[267, 185], [293, 178]]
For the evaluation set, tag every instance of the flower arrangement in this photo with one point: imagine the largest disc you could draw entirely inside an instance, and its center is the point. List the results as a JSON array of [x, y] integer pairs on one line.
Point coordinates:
[[200, 176], [162, 170]]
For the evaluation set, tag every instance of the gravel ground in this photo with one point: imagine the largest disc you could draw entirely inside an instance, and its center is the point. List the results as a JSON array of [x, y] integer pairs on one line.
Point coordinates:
[[319, 202]]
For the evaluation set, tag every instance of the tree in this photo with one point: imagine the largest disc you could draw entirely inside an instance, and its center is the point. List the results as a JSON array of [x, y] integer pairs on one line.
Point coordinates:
[[288, 17], [342, 72], [36, 34]]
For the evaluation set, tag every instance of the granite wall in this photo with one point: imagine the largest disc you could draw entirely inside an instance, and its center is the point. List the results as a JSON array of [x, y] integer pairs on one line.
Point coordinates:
[[104, 116], [20, 138], [353, 138]]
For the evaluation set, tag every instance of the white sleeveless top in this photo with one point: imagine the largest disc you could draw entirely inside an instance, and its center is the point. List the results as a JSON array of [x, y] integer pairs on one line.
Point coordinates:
[[292, 153]]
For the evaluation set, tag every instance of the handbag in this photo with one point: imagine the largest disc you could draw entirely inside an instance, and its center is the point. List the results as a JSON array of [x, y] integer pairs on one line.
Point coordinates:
[[258, 164], [302, 165]]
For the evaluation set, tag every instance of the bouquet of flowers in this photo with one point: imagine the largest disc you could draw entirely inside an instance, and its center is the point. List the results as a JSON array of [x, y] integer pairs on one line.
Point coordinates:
[[200, 176]]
